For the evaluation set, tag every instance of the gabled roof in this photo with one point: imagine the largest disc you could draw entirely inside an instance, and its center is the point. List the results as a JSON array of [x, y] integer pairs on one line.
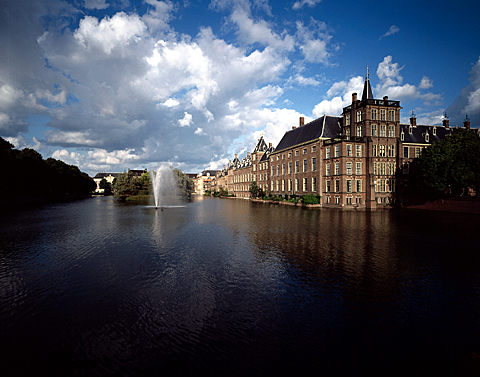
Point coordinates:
[[261, 146], [325, 127], [419, 132], [266, 154]]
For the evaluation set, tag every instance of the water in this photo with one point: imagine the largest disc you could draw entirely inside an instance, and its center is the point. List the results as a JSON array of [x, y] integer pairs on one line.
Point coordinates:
[[228, 287]]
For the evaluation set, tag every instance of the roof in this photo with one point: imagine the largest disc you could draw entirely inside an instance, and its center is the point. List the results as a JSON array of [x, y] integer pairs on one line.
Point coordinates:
[[367, 90], [325, 127], [420, 131], [104, 175]]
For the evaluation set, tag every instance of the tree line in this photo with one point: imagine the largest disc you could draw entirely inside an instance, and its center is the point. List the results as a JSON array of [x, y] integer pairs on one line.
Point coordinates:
[[27, 173]]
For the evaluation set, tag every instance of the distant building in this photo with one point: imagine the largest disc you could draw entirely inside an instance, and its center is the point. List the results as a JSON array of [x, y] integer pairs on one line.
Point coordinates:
[[109, 177]]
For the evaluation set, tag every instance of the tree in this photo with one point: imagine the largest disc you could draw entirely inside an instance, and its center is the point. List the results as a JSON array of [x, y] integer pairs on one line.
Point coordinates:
[[450, 165], [125, 185], [184, 183], [253, 189], [105, 186]]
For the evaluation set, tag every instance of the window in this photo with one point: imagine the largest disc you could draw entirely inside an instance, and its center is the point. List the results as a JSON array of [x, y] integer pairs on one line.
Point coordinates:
[[374, 114], [304, 150], [289, 154], [391, 185], [402, 136], [427, 137], [283, 169], [337, 200], [417, 152], [410, 129], [278, 185], [359, 115], [314, 184], [327, 152], [359, 200], [374, 150], [391, 168], [283, 185], [375, 170], [289, 185], [434, 130], [349, 150], [391, 151], [405, 152], [359, 168], [349, 185], [382, 151], [359, 185], [337, 150], [359, 151], [383, 132], [296, 153], [337, 168], [406, 168], [349, 168], [304, 184], [283, 156], [374, 130], [271, 185], [314, 148], [297, 167], [359, 131], [273, 170], [391, 131], [296, 184], [314, 164], [278, 157], [391, 115], [327, 188], [347, 120], [337, 185], [327, 169], [278, 169], [382, 115], [383, 168], [289, 168], [304, 166]]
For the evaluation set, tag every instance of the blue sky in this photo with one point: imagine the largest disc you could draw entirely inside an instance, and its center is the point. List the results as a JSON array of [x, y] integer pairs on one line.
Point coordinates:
[[115, 84]]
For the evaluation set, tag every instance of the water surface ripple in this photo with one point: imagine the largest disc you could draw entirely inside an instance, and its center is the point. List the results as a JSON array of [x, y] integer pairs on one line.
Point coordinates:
[[229, 287]]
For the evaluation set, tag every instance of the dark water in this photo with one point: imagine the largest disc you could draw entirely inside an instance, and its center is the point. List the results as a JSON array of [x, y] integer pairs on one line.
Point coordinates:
[[228, 287]]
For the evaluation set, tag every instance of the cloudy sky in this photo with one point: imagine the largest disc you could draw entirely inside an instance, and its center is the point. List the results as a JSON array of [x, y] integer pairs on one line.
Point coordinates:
[[115, 84]]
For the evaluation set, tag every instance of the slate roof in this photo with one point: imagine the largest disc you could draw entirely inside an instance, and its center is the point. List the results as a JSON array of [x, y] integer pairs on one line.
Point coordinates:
[[104, 175], [325, 127], [367, 90], [419, 132]]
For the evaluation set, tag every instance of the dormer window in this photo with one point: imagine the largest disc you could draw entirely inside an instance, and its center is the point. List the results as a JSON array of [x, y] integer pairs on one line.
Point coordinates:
[[402, 136], [435, 131], [427, 137], [410, 129]]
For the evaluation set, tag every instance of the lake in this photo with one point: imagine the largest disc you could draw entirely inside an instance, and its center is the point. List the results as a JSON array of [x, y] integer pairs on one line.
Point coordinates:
[[226, 287]]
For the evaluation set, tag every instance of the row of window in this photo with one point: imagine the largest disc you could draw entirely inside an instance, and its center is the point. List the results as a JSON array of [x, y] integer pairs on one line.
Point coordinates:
[[291, 182], [348, 168], [313, 149], [383, 168], [348, 151], [406, 152], [381, 150], [297, 167], [358, 200], [375, 115], [348, 185], [382, 130]]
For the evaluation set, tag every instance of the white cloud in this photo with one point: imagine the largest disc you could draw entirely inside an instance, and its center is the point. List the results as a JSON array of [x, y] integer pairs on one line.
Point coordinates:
[[342, 96], [393, 30], [171, 103], [186, 121], [300, 4], [426, 83], [199, 131], [314, 40], [96, 4]]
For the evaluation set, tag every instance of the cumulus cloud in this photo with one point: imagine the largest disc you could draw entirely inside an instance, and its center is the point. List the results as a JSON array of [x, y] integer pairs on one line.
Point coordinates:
[[186, 121], [468, 102], [393, 30]]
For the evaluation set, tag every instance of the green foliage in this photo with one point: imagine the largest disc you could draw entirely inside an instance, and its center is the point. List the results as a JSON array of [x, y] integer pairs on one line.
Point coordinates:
[[184, 183], [310, 199], [125, 185], [450, 165], [33, 175], [253, 189], [105, 185]]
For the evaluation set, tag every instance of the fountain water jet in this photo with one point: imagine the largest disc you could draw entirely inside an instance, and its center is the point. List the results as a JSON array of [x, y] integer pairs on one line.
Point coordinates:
[[163, 182]]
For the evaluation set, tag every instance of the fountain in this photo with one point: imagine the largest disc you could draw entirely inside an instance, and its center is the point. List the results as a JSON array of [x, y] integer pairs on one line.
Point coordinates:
[[164, 183]]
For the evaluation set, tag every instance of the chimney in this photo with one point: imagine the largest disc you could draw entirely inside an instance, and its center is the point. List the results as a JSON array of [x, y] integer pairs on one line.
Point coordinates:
[[269, 145], [293, 127], [236, 155], [248, 154], [413, 118], [354, 97], [302, 121], [466, 122], [446, 121]]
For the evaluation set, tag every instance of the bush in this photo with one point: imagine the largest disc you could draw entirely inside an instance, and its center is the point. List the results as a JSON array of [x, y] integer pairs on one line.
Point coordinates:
[[310, 199]]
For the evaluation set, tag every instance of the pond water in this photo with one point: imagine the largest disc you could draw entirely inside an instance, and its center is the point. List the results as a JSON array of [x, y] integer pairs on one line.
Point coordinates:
[[228, 287]]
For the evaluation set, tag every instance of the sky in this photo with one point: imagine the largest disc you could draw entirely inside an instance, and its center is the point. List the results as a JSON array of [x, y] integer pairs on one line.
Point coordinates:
[[112, 85]]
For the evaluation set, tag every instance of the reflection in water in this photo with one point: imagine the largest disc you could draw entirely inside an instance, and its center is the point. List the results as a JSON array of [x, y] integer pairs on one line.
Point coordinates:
[[229, 287]]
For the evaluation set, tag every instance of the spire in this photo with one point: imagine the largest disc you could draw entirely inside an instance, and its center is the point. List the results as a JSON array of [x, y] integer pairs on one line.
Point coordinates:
[[367, 89]]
